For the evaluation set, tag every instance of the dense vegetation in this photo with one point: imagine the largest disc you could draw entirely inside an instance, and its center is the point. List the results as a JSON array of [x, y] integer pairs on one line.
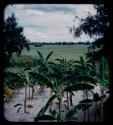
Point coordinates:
[[62, 75]]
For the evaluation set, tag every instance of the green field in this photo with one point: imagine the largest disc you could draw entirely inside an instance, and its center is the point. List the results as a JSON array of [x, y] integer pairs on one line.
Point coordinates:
[[60, 51]]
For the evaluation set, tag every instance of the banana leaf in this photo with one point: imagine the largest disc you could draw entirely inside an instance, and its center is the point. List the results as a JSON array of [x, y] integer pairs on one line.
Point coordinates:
[[75, 109], [79, 86], [43, 110], [55, 114], [86, 101], [86, 78], [44, 117], [49, 55], [41, 78]]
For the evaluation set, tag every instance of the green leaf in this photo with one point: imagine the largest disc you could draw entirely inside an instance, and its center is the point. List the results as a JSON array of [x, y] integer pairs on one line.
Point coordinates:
[[40, 55], [75, 109], [48, 56], [29, 106], [96, 97], [86, 78], [44, 117], [19, 104], [55, 114], [79, 86], [19, 109], [86, 101], [41, 78], [43, 110]]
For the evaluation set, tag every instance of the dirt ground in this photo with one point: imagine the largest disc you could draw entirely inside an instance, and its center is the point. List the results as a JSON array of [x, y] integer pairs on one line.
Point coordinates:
[[39, 100]]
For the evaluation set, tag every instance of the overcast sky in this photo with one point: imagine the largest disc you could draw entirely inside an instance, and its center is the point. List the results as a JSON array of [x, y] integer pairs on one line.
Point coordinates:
[[49, 22]]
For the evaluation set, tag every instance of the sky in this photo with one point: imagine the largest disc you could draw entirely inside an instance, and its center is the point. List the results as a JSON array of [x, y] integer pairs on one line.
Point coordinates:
[[49, 22]]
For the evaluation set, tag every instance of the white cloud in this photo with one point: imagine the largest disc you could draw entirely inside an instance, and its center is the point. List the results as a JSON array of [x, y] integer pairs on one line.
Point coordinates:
[[48, 22]]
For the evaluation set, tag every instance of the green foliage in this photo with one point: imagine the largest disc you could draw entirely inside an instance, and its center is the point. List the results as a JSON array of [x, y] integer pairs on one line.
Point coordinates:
[[85, 101], [79, 86], [41, 79], [44, 117], [75, 109], [43, 110], [14, 41], [55, 114]]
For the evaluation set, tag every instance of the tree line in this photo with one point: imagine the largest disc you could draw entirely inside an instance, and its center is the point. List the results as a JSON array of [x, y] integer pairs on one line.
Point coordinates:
[[40, 44]]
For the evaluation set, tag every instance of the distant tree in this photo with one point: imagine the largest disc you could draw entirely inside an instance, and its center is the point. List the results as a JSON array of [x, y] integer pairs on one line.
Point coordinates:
[[14, 40]]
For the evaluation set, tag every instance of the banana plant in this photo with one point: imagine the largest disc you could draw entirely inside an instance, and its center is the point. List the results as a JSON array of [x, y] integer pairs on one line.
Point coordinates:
[[66, 68], [25, 79], [85, 69], [44, 64], [102, 82]]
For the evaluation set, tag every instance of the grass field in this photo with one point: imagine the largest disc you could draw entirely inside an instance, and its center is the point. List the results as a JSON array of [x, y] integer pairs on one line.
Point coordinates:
[[60, 51]]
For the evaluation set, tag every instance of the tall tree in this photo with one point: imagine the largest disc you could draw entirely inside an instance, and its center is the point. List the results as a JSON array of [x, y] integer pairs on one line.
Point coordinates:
[[14, 40], [96, 26]]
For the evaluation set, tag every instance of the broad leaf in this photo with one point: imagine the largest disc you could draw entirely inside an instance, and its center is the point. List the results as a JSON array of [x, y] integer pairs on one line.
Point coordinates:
[[79, 86], [86, 78], [86, 101], [40, 55], [19, 104], [75, 109], [49, 55], [41, 78], [44, 117], [55, 114], [43, 110]]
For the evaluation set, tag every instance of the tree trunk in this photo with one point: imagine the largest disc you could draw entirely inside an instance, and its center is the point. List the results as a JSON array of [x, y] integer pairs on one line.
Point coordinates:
[[67, 101], [95, 111], [32, 91], [50, 96], [59, 107], [29, 91], [88, 112], [71, 100], [101, 105], [25, 100]]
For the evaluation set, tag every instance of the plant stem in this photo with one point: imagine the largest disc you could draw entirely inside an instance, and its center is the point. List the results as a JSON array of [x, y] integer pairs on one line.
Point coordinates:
[[25, 100], [71, 100], [67, 101], [88, 112], [29, 91], [59, 107], [101, 105], [32, 91]]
